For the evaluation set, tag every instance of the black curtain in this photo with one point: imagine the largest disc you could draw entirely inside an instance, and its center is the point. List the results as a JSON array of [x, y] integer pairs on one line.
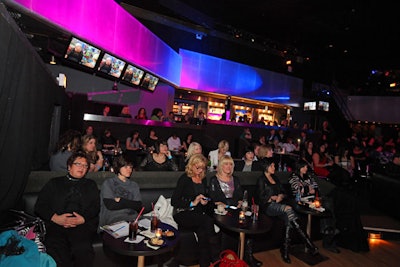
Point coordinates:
[[28, 94]]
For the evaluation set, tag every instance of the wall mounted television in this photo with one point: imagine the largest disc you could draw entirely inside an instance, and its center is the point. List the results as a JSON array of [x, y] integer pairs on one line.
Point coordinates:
[[111, 65], [149, 82], [323, 105], [132, 75], [82, 53], [310, 105]]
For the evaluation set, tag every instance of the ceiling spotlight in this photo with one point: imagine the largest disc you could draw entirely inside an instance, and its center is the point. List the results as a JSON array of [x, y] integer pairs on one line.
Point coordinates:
[[115, 87], [199, 36], [53, 60]]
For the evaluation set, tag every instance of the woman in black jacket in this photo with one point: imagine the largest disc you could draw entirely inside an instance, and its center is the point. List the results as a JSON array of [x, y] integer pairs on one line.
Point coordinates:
[[270, 194], [192, 208]]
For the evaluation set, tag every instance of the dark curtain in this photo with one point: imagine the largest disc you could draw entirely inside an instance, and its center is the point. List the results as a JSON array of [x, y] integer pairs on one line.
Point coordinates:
[[28, 94]]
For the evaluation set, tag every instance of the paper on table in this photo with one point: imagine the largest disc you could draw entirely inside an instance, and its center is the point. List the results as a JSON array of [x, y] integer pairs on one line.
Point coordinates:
[[138, 239], [118, 226], [145, 223], [118, 229], [150, 246], [148, 233]]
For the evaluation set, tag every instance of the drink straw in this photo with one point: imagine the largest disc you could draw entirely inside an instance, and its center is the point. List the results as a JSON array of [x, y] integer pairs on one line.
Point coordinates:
[[140, 213], [152, 208], [252, 200]]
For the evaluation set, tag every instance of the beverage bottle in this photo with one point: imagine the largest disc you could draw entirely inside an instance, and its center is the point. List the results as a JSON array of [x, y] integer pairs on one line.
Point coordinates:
[[133, 227]]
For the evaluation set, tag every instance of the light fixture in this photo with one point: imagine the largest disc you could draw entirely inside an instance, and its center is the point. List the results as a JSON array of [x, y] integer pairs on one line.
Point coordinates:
[[375, 235], [53, 60], [115, 86]]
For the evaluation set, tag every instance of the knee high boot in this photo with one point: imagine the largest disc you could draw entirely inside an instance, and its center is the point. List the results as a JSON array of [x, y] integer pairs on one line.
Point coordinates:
[[309, 244], [248, 254], [286, 246]]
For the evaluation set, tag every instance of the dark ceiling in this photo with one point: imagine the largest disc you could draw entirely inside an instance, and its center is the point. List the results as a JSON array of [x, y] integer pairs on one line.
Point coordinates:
[[331, 41]]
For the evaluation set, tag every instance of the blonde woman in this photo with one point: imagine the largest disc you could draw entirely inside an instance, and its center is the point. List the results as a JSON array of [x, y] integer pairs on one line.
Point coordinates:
[[193, 149], [215, 155], [95, 157]]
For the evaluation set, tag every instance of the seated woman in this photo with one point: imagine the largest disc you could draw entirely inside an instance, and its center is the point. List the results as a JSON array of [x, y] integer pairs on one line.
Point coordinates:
[[225, 189], [270, 194], [214, 155], [120, 198], [69, 206], [186, 142], [345, 160], [108, 141], [141, 114], [134, 145], [151, 139], [69, 143], [192, 208], [193, 149], [95, 157], [248, 164], [304, 185], [160, 160], [326, 167]]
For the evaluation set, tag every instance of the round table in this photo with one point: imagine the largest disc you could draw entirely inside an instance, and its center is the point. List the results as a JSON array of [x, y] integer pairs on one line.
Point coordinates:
[[230, 221], [141, 250]]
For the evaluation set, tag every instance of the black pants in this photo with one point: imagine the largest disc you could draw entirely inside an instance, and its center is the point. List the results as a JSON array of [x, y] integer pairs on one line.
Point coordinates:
[[70, 247], [203, 225]]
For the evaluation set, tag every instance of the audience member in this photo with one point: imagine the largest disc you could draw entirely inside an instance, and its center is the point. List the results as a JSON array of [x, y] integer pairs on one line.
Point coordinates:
[[69, 206], [171, 117], [160, 160], [187, 141], [95, 157], [108, 141], [157, 114], [134, 145], [215, 155], [248, 164], [192, 208], [141, 115], [120, 198], [270, 194], [193, 149], [68, 143], [89, 131], [392, 168], [151, 139], [344, 159], [125, 113], [106, 111], [188, 117], [174, 143]]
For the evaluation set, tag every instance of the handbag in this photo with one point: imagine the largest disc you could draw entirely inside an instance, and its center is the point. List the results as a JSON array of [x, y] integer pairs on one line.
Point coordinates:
[[228, 258]]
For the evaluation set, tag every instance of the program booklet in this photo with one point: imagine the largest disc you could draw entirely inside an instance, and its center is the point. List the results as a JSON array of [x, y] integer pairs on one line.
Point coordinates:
[[117, 229]]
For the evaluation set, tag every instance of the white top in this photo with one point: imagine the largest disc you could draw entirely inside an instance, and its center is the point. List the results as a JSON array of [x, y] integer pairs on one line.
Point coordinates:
[[213, 156], [174, 144]]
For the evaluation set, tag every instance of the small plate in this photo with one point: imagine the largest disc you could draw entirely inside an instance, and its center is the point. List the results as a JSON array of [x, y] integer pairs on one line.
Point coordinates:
[[168, 234], [220, 213], [151, 243]]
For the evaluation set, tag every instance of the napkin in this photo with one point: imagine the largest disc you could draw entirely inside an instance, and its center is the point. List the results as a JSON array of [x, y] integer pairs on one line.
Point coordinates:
[[147, 233], [138, 239], [150, 246]]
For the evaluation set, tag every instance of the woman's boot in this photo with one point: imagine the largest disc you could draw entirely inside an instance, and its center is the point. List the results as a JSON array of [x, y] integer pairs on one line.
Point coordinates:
[[286, 246], [309, 244], [248, 255]]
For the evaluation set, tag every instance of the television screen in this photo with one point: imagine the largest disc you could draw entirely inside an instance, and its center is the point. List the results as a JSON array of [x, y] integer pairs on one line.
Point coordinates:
[[310, 105], [82, 53], [324, 106], [111, 65], [149, 82], [133, 75]]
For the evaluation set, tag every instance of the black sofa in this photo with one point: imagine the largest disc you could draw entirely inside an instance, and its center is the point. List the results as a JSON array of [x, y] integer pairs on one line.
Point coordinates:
[[154, 184]]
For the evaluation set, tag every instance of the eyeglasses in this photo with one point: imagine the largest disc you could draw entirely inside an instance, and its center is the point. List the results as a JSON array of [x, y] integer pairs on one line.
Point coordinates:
[[78, 164]]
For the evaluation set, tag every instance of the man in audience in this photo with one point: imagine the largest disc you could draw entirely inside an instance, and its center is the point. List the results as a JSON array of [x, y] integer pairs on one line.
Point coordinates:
[[174, 143]]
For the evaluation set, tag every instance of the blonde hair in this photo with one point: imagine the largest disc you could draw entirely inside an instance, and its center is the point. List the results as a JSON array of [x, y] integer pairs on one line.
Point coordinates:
[[191, 149], [195, 160], [225, 159], [92, 155], [263, 150], [223, 144]]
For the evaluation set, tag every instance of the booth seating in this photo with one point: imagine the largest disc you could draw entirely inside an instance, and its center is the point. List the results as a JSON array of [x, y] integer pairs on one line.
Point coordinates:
[[154, 184]]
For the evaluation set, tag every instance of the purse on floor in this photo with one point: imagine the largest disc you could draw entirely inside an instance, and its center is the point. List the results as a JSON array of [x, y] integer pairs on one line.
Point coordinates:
[[228, 258]]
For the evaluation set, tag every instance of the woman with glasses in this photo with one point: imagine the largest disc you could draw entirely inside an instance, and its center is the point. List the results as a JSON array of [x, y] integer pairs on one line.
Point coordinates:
[[192, 208], [69, 206], [120, 197]]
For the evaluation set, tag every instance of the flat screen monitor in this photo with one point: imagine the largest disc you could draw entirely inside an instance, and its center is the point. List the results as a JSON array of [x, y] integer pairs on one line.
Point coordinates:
[[149, 82], [310, 105], [82, 53], [111, 65], [133, 75], [323, 105]]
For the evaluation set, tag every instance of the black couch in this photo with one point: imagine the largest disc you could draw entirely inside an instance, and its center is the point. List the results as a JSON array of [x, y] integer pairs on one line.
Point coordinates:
[[154, 184]]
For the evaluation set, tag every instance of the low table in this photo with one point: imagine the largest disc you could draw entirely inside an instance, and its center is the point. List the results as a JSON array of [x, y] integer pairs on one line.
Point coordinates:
[[230, 221], [141, 250]]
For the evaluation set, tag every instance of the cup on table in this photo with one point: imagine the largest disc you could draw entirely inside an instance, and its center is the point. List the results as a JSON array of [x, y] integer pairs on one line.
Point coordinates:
[[153, 223], [133, 228], [254, 210], [221, 208]]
